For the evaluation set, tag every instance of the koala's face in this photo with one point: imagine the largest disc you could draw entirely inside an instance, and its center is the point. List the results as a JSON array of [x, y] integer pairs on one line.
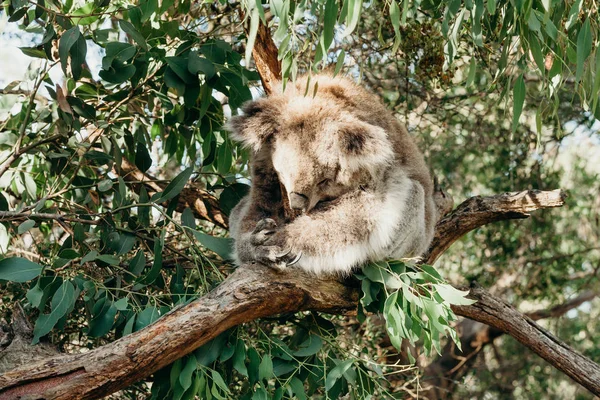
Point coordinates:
[[320, 147], [308, 171]]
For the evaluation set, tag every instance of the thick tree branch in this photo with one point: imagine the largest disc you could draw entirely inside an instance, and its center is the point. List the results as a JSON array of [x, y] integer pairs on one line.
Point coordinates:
[[253, 292], [249, 293], [478, 211], [443, 374], [502, 316], [264, 54]]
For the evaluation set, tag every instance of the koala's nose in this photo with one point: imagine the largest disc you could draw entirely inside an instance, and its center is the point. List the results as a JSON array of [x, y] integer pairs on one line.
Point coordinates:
[[298, 201]]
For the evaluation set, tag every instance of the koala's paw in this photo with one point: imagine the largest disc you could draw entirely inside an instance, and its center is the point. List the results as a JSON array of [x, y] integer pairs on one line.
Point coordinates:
[[265, 228], [270, 246]]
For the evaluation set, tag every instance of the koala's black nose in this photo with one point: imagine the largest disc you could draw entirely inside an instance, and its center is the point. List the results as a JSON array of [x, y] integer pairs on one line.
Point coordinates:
[[298, 201]]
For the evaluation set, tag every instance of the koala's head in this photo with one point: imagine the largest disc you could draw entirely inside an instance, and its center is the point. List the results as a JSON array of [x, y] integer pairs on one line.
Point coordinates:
[[319, 149]]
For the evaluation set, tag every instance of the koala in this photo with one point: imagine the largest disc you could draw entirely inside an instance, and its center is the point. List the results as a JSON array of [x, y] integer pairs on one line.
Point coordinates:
[[355, 181]]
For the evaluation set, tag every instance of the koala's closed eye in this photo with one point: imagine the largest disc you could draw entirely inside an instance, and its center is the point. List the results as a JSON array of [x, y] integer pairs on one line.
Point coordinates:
[[324, 182]]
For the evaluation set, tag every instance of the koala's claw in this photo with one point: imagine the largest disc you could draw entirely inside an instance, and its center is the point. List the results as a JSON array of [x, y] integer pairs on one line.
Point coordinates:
[[273, 257], [296, 259]]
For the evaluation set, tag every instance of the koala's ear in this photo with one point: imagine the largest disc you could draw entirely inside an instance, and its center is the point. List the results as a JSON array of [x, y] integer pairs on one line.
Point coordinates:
[[257, 123], [364, 146]]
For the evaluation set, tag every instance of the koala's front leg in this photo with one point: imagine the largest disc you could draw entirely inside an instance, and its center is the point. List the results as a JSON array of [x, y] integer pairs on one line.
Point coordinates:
[[269, 246]]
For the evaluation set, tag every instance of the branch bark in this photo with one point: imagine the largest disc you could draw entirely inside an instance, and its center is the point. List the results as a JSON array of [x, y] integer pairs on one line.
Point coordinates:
[[443, 374], [253, 292], [478, 211]]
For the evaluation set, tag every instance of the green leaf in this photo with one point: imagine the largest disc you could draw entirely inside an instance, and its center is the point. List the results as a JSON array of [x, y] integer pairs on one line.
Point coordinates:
[[185, 377], [25, 226], [17, 269], [151, 276], [395, 17], [144, 211], [218, 379], [34, 295], [584, 47], [67, 40], [518, 100], [30, 186], [453, 295], [337, 372], [125, 244], [265, 369], [146, 317], [187, 218], [179, 65], [78, 53], [176, 185], [232, 195], [239, 358], [142, 157], [33, 52], [311, 346], [254, 21], [135, 35], [354, 8], [573, 14], [103, 321], [297, 388], [329, 21], [377, 273], [254, 361], [208, 353], [62, 301], [121, 304], [198, 64], [339, 62], [69, 254], [222, 246], [105, 185]]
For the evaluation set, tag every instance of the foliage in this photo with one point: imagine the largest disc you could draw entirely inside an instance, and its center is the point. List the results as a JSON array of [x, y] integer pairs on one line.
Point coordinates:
[[96, 250]]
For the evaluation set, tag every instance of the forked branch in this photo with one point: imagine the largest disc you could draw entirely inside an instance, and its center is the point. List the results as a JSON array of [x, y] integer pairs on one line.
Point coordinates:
[[253, 292]]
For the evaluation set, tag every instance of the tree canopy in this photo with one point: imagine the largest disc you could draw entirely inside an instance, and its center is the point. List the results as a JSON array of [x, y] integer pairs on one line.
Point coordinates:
[[117, 176]]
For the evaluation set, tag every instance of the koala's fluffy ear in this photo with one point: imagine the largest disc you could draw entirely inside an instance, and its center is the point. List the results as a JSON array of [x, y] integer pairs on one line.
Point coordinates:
[[364, 146], [257, 123]]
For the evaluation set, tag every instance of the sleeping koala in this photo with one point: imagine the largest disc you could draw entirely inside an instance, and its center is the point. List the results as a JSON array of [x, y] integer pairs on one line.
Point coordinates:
[[356, 182]]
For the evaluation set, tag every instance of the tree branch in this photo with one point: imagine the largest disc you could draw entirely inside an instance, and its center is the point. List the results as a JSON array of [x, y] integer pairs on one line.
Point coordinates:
[[443, 374], [502, 316], [478, 211], [252, 292]]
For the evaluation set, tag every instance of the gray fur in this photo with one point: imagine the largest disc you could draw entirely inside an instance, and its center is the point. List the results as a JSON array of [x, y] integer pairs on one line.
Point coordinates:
[[349, 168]]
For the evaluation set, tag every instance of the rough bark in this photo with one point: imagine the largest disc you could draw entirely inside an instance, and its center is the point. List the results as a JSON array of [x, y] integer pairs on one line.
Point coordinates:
[[442, 375], [249, 293], [478, 211], [264, 54], [253, 292]]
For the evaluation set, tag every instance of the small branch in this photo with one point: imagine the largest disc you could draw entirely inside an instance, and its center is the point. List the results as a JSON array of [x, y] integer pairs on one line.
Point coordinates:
[[15, 215], [204, 205], [562, 309], [478, 211], [19, 152], [264, 54]]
